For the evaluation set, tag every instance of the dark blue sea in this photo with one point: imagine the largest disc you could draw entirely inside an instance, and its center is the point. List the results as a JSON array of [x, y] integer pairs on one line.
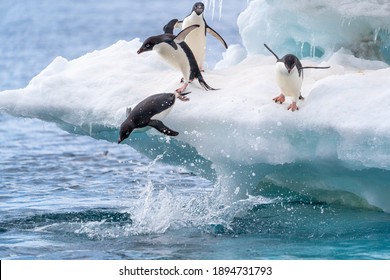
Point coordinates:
[[69, 196]]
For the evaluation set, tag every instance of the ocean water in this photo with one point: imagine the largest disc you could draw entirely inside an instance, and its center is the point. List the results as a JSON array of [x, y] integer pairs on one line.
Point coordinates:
[[69, 196]]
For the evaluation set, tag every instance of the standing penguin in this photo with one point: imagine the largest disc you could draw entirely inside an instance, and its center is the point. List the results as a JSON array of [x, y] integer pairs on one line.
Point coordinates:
[[289, 77], [176, 53], [197, 39]]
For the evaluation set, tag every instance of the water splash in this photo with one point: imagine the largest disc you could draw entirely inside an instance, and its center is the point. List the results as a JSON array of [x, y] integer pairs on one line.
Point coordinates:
[[161, 207]]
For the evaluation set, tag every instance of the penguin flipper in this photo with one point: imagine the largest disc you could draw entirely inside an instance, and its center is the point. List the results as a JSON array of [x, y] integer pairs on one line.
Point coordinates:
[[183, 34], [162, 128], [216, 35], [170, 26], [271, 51]]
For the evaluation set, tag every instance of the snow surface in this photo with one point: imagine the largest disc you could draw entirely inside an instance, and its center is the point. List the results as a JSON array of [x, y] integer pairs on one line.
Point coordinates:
[[343, 118], [96, 88]]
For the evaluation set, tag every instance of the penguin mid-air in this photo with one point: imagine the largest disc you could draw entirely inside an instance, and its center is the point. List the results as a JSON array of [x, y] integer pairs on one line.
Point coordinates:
[[289, 77], [197, 39], [174, 50], [149, 113]]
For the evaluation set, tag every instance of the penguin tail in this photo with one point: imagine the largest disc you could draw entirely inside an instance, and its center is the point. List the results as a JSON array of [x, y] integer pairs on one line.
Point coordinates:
[[203, 83]]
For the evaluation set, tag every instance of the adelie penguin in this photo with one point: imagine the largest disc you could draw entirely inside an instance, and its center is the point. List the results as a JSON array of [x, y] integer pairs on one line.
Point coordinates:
[[197, 39], [149, 113], [174, 50], [289, 77]]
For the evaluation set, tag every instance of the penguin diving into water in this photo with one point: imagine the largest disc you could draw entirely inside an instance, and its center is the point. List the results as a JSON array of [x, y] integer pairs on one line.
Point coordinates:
[[174, 50], [197, 39], [289, 77], [149, 113]]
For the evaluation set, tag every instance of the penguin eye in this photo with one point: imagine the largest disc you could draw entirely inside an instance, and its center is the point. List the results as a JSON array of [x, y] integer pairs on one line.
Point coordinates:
[[147, 45], [127, 133]]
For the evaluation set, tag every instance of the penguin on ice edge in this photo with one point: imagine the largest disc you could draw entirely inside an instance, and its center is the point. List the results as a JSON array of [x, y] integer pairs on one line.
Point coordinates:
[[197, 39], [174, 50], [289, 77], [150, 112]]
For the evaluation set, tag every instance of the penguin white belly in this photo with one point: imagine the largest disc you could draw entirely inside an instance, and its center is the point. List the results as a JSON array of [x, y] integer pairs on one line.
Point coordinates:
[[162, 115], [196, 40], [289, 83], [175, 58]]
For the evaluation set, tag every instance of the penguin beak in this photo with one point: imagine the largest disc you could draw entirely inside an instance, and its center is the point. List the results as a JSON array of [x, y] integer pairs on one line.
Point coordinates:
[[141, 50], [199, 10], [119, 141]]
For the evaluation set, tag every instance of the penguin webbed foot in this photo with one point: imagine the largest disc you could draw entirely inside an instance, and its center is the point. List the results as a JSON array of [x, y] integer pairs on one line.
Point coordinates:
[[293, 106], [279, 99], [182, 89], [182, 96]]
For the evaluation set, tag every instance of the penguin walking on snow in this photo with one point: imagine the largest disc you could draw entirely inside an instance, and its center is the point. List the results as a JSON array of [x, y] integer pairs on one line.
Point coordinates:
[[174, 50], [197, 39], [149, 113], [289, 77]]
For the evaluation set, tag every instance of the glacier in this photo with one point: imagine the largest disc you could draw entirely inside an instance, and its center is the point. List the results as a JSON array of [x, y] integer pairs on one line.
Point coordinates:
[[335, 149]]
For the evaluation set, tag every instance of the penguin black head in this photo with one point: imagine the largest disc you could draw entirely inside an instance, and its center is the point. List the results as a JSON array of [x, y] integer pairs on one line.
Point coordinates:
[[125, 130], [290, 61], [151, 42], [198, 8]]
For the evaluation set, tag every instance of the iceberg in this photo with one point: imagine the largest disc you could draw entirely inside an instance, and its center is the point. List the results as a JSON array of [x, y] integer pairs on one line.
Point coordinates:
[[318, 28], [335, 149]]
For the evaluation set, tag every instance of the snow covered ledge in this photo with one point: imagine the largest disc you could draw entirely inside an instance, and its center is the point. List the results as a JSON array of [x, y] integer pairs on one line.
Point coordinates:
[[239, 129]]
